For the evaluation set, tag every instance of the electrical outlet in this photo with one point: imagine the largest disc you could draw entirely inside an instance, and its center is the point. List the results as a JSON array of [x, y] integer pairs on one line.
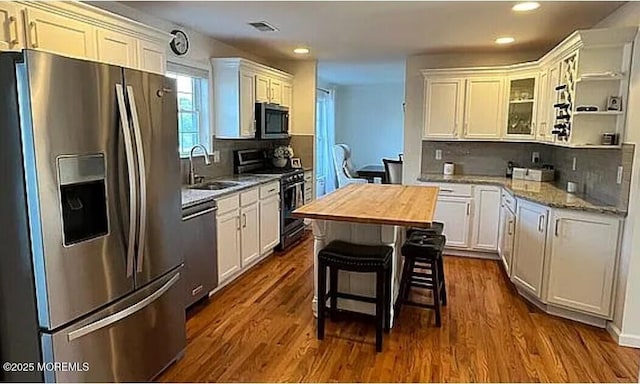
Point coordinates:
[[535, 157], [575, 164], [438, 154], [619, 177], [216, 156]]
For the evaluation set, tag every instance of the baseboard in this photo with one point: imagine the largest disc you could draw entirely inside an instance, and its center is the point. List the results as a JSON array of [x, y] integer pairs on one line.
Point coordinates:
[[622, 339], [472, 254]]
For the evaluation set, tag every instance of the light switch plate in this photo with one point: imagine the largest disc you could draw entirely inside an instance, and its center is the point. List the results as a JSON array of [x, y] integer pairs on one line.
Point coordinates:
[[535, 157], [438, 154], [575, 163], [619, 176]]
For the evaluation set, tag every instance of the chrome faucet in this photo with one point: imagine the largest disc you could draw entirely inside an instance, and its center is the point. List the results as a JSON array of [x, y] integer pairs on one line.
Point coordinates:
[[192, 171]]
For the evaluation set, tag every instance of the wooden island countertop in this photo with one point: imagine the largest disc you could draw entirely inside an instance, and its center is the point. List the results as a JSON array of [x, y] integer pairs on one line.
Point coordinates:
[[384, 204]]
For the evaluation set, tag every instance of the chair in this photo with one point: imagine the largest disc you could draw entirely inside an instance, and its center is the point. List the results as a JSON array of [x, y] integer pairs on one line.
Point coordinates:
[[345, 171], [340, 255], [393, 171]]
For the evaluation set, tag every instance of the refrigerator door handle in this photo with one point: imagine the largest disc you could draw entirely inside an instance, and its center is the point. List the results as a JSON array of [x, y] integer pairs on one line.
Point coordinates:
[[143, 178], [105, 322], [128, 145]]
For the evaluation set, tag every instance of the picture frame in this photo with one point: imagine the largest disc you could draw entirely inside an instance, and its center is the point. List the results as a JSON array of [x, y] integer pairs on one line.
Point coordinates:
[[614, 103], [295, 162]]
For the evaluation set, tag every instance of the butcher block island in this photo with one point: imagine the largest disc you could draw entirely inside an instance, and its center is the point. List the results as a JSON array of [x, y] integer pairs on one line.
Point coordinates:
[[369, 214]]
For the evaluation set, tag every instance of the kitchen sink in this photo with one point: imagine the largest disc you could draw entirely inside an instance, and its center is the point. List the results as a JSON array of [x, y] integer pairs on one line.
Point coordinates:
[[215, 185]]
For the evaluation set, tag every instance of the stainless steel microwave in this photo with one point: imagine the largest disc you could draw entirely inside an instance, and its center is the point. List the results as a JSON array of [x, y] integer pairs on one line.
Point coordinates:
[[272, 121]]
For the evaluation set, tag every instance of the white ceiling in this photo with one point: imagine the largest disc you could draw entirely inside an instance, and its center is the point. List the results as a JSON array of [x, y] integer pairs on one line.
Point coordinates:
[[382, 32]]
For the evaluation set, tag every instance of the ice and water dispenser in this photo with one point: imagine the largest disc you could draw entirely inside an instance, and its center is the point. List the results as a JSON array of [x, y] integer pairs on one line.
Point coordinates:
[[83, 197]]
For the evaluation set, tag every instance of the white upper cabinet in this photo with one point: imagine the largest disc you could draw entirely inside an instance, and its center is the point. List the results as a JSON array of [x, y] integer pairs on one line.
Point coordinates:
[[486, 218], [275, 91], [543, 104], [59, 34], [78, 30], [152, 57], [507, 103], [582, 263], [287, 94], [444, 100], [269, 89], [483, 109], [521, 113], [247, 104], [238, 84], [529, 249], [11, 33], [117, 48], [263, 88]]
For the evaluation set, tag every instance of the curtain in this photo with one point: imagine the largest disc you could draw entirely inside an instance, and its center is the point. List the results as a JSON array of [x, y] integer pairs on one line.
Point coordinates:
[[325, 139]]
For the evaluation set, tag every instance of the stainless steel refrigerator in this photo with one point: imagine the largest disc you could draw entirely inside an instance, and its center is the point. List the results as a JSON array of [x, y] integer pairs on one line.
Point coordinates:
[[90, 258]]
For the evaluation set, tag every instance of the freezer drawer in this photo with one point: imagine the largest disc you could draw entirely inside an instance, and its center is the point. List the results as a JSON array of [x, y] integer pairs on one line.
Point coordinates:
[[133, 340]]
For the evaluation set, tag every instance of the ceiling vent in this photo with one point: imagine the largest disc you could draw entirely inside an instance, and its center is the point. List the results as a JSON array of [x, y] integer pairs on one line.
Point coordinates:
[[263, 26]]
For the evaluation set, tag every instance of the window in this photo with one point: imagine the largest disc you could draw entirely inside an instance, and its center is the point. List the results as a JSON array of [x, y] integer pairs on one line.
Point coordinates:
[[193, 107]]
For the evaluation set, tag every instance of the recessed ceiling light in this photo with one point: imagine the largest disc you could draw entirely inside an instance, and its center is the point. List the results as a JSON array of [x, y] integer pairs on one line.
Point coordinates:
[[505, 40], [526, 6], [301, 51]]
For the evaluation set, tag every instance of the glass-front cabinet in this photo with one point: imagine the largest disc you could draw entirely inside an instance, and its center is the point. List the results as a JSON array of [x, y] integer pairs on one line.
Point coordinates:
[[521, 116]]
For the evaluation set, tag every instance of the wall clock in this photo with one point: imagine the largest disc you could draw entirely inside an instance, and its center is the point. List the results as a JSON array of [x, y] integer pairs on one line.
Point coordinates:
[[180, 43]]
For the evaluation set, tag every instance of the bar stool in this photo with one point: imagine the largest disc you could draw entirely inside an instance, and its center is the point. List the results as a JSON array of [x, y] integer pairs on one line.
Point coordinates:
[[424, 251], [340, 255]]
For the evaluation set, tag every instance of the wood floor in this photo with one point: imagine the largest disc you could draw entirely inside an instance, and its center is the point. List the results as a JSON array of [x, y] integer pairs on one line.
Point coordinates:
[[261, 329]]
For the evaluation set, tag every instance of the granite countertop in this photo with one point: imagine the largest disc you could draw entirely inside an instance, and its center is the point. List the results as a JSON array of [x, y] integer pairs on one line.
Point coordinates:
[[191, 197], [541, 193]]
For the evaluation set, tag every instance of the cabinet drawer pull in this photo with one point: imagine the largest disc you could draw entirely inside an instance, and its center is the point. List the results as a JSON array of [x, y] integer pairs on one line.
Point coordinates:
[[13, 40], [556, 229], [272, 190], [446, 190], [34, 34], [197, 290], [541, 223]]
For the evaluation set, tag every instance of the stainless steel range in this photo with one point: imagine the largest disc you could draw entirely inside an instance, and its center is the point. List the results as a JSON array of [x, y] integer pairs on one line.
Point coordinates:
[[255, 161]]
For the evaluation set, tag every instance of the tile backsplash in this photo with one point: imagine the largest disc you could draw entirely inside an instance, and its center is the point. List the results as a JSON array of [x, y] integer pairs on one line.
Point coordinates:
[[226, 148], [596, 169]]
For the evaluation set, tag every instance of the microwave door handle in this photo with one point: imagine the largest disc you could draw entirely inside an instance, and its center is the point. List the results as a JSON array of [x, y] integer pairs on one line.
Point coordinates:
[[143, 178], [128, 147]]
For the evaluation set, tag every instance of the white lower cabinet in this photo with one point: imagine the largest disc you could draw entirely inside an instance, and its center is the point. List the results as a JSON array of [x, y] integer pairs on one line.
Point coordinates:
[[529, 249], [506, 238], [582, 261], [486, 218], [248, 229], [228, 239], [455, 214], [250, 233], [269, 223]]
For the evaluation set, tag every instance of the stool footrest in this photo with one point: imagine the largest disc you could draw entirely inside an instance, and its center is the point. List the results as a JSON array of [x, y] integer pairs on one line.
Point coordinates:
[[350, 296]]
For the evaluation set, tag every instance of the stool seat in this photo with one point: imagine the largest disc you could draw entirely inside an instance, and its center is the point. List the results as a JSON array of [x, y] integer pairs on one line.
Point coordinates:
[[356, 257], [436, 228], [422, 246], [341, 255]]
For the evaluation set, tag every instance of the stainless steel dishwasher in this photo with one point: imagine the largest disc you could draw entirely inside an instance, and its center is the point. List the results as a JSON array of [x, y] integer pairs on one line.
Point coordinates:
[[200, 251]]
